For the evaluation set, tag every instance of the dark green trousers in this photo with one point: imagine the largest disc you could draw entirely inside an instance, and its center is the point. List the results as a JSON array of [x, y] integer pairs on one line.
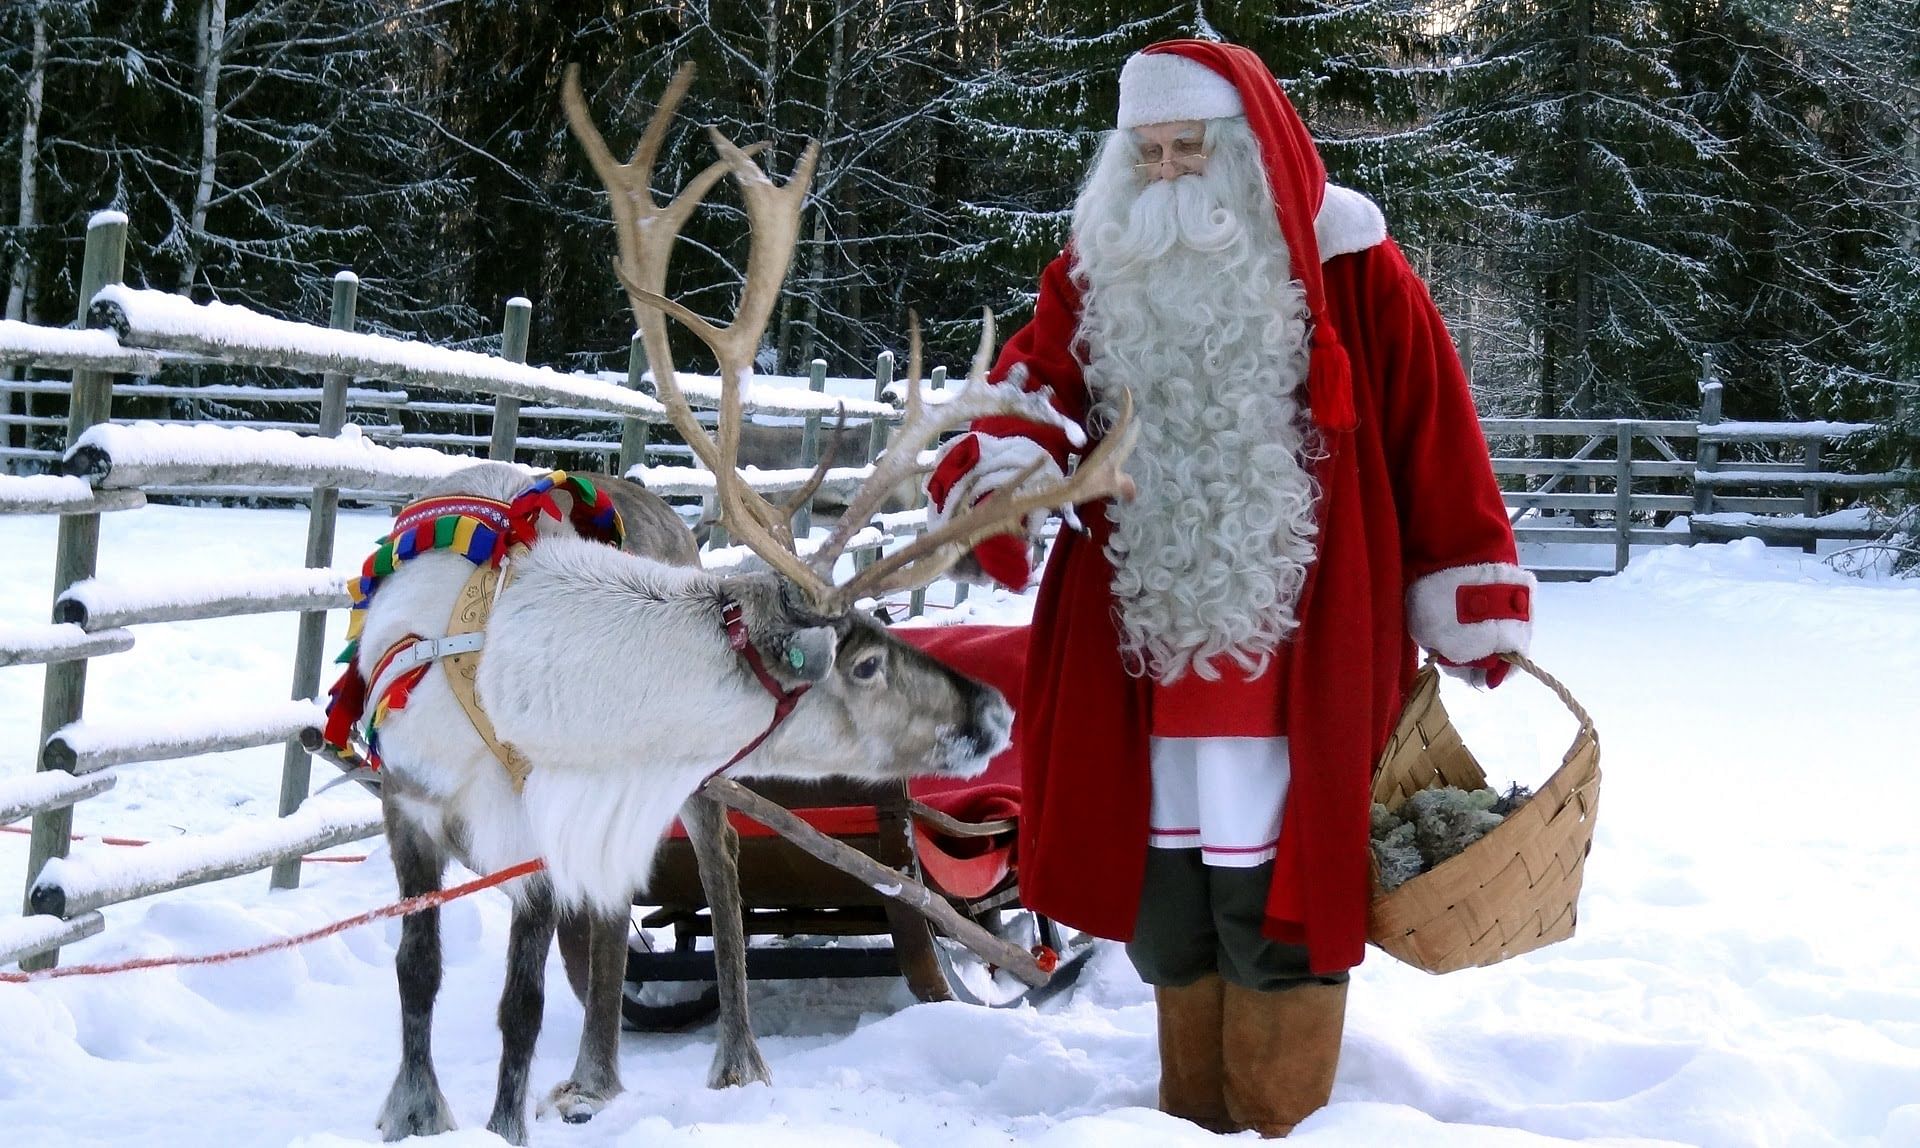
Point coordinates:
[[1197, 919]]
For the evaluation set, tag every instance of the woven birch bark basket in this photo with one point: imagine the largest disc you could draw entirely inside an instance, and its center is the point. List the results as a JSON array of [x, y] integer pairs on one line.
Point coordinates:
[[1516, 889]]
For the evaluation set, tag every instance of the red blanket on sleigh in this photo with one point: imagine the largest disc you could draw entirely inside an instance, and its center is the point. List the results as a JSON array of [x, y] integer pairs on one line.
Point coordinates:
[[960, 866]]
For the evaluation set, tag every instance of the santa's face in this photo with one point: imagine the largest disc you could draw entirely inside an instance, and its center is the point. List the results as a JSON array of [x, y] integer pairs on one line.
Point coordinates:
[[1170, 150]]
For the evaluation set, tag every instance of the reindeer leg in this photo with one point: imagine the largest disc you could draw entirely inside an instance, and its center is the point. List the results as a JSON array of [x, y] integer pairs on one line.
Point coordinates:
[[521, 1003], [736, 1058], [596, 1069], [415, 1105]]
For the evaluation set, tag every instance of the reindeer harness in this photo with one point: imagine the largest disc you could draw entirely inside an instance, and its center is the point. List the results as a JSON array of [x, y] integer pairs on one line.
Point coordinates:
[[489, 534]]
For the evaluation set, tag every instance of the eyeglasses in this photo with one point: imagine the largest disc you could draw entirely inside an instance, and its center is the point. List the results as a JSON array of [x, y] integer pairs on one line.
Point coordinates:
[[1186, 154]]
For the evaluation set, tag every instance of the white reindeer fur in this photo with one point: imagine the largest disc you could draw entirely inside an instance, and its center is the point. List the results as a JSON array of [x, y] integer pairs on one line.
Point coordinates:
[[612, 675]]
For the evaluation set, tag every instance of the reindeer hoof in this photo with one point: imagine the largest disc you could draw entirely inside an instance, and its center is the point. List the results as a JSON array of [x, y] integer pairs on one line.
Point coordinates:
[[512, 1129], [414, 1107], [742, 1068], [575, 1103]]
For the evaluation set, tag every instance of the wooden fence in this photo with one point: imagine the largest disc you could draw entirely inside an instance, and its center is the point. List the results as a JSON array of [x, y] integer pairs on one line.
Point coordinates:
[[107, 467], [1583, 498], [1593, 489]]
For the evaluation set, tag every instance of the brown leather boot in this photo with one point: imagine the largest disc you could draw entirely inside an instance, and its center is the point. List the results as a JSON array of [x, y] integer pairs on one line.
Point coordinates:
[[1280, 1051], [1190, 1075]]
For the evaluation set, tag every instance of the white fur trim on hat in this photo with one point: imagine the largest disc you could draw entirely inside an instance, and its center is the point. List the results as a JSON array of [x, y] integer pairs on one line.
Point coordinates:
[[1433, 618], [1348, 222], [1163, 87]]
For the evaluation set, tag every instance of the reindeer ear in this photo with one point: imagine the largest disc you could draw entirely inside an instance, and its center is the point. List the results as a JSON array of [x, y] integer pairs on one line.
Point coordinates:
[[808, 654]]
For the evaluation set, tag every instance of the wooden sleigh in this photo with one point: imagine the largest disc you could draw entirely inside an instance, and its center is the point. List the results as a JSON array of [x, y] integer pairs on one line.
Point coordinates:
[[815, 920]]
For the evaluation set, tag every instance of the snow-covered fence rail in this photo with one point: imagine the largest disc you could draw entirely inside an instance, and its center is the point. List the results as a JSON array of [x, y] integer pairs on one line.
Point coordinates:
[[67, 886], [25, 796], [100, 603]]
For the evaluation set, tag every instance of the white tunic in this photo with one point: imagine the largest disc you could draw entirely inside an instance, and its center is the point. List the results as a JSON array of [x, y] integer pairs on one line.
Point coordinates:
[[1221, 795]]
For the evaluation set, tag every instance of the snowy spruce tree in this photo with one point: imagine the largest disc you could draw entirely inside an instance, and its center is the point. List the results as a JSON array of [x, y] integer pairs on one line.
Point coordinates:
[[1597, 231]]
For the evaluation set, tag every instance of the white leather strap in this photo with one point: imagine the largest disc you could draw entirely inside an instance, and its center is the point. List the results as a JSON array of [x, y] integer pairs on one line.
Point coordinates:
[[425, 650], [433, 649]]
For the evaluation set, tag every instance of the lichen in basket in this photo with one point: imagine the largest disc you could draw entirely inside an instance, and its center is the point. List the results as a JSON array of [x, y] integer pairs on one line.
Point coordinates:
[[1433, 825]]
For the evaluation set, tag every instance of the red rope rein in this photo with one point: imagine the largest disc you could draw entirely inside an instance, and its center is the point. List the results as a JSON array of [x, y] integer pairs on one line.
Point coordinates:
[[403, 908]]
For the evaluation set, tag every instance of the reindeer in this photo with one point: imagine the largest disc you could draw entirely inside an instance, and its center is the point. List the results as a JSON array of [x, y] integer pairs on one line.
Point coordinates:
[[618, 680]]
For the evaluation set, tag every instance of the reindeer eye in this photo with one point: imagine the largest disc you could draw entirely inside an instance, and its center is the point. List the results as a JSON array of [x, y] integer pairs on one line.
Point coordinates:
[[866, 668]]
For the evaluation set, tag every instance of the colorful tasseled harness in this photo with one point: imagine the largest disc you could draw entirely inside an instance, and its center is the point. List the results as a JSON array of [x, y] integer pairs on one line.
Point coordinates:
[[486, 533]]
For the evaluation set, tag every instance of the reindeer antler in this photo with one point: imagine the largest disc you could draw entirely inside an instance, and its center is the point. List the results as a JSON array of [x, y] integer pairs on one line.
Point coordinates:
[[646, 233], [1098, 475]]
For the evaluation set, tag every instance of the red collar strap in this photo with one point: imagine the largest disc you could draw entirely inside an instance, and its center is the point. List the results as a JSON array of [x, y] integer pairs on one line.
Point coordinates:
[[734, 619]]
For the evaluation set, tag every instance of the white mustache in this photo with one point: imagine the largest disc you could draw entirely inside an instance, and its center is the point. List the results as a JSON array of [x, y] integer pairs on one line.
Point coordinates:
[[1186, 213]]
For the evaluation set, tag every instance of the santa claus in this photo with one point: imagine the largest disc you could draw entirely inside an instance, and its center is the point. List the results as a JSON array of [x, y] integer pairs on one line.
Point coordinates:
[[1215, 665]]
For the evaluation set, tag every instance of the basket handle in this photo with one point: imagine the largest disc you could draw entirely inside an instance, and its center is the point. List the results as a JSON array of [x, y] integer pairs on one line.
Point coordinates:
[[1552, 683]]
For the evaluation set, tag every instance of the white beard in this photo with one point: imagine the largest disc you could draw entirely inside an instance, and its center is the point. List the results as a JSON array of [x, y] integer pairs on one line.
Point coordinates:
[[1190, 305]]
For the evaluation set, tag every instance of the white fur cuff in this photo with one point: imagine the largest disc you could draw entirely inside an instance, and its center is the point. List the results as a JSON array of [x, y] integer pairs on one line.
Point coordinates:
[[1467, 613], [1001, 461]]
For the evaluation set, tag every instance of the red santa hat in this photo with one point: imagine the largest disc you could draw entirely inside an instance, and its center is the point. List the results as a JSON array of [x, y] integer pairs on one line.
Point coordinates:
[[1202, 79]]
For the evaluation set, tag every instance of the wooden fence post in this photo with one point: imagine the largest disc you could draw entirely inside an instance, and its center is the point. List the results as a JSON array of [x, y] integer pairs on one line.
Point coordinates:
[[810, 445], [296, 769], [78, 548], [634, 432], [1706, 455], [1810, 499], [513, 348], [917, 601], [876, 434], [1622, 494]]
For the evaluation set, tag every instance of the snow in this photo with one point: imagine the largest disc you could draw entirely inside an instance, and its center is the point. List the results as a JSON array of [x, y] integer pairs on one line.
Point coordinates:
[[44, 490], [1743, 973]]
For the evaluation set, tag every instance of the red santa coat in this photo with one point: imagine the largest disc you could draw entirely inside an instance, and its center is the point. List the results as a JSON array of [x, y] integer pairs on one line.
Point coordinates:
[[1407, 492]]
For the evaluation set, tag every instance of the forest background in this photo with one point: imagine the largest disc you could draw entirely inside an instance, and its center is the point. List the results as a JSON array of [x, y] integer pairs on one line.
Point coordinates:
[[1601, 193]]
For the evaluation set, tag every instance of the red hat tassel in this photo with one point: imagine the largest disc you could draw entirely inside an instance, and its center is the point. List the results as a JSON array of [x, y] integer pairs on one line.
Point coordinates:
[[1330, 384]]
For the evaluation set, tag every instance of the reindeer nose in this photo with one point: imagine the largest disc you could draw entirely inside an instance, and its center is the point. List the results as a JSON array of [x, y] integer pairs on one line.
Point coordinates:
[[992, 727]]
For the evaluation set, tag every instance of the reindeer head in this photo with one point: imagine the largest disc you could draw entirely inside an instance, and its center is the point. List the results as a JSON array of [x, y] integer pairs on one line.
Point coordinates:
[[949, 724]]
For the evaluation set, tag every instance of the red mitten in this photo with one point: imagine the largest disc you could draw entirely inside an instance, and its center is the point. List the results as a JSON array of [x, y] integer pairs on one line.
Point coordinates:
[[973, 467], [1485, 672], [1003, 558], [1470, 615]]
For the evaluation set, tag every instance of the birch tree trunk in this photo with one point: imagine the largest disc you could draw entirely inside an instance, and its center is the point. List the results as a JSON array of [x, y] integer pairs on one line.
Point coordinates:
[[22, 273], [829, 128], [213, 45]]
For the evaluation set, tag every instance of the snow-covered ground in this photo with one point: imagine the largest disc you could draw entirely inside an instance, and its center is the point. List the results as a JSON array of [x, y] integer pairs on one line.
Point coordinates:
[[1743, 975]]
